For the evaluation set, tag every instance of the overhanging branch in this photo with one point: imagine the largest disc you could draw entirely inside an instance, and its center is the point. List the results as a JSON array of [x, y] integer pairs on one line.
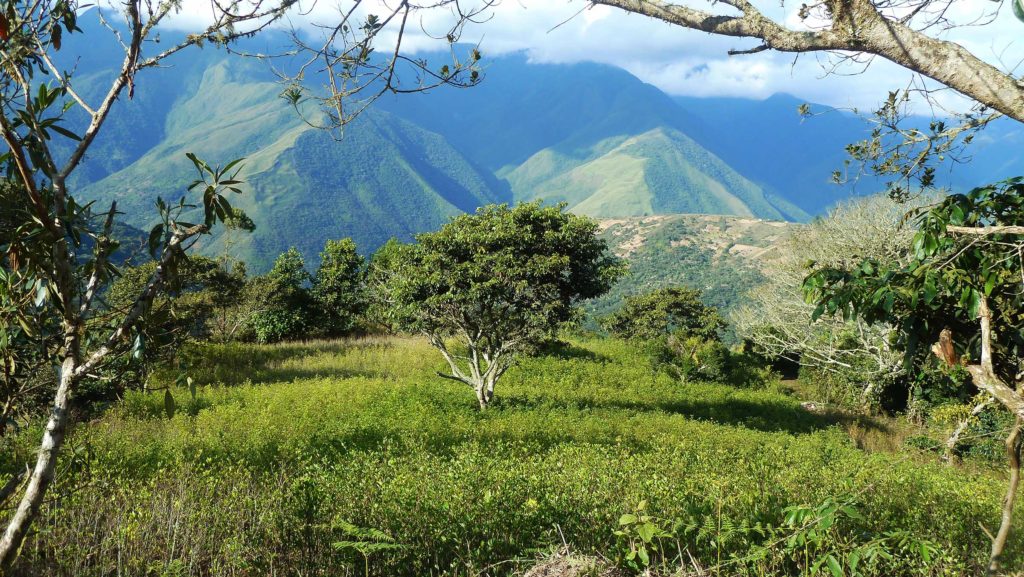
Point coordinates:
[[857, 26]]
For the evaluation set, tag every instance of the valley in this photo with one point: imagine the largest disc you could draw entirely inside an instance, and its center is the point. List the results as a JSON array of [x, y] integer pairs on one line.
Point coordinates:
[[589, 135]]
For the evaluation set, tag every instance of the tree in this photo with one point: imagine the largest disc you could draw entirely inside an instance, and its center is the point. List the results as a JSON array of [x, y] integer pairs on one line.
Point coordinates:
[[906, 32], [959, 288], [382, 311], [338, 289], [776, 320], [499, 282], [285, 303], [191, 307], [56, 254], [659, 313]]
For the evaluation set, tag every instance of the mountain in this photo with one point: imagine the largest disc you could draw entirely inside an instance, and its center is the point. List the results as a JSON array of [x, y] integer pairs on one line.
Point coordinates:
[[661, 171], [387, 177], [591, 135], [787, 155], [521, 108], [793, 157]]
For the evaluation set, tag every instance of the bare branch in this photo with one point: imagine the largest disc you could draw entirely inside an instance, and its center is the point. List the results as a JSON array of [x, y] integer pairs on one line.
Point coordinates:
[[985, 230]]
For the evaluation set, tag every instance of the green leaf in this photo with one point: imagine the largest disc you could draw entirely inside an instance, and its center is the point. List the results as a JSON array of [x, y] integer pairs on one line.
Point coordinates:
[[646, 531], [232, 164], [627, 519], [930, 290], [834, 566], [918, 245], [973, 303], [956, 215], [990, 283]]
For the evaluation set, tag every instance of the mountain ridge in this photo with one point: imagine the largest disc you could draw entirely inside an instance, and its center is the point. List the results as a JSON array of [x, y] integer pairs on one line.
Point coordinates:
[[589, 134]]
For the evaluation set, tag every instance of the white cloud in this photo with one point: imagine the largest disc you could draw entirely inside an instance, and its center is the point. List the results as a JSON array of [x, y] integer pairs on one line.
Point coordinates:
[[687, 62]]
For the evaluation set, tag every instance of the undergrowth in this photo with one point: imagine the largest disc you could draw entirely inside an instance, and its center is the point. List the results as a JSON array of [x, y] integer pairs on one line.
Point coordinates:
[[278, 449]]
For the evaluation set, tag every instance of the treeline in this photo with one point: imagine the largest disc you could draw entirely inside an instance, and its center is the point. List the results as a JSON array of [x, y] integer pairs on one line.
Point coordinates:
[[495, 285]]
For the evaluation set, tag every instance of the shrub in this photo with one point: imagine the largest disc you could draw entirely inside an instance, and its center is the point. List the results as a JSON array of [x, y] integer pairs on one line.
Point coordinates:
[[668, 311]]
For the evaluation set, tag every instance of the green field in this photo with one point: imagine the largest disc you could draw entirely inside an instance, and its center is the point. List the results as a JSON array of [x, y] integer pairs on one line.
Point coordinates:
[[280, 447]]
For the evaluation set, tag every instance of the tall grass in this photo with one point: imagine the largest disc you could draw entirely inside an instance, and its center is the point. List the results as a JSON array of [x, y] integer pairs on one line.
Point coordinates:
[[282, 445]]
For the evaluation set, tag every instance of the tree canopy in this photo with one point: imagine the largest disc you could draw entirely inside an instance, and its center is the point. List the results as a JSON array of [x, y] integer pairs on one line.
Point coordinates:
[[338, 288], [659, 313], [499, 282], [959, 292]]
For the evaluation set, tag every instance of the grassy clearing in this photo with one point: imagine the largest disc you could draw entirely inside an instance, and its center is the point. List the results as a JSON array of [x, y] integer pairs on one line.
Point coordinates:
[[282, 445]]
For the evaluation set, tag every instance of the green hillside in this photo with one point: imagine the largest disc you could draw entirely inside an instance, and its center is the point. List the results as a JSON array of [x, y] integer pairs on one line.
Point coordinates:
[[278, 446], [385, 177], [661, 171], [720, 255]]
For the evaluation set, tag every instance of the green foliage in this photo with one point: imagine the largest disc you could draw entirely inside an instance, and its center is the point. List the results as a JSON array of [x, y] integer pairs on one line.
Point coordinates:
[[199, 290], [941, 283], [385, 264], [237, 219], [675, 311], [818, 544], [285, 299], [641, 540], [338, 288], [515, 271], [288, 303], [501, 281], [364, 540], [285, 440]]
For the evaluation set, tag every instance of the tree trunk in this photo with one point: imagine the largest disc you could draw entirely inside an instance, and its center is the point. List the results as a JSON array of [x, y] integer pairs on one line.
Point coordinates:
[[1013, 451], [42, 475], [481, 396]]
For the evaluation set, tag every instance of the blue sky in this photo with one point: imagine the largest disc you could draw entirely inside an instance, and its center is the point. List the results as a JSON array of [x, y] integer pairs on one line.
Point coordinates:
[[687, 62]]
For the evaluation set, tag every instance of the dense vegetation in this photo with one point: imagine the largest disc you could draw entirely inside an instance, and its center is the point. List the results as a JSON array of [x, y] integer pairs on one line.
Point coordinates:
[[166, 443], [278, 449], [681, 251]]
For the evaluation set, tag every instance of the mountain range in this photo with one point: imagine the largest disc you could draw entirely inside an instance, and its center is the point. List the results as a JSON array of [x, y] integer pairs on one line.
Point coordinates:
[[590, 135]]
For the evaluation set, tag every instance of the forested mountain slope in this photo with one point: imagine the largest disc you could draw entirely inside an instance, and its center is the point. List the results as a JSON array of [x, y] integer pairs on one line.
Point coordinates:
[[591, 135]]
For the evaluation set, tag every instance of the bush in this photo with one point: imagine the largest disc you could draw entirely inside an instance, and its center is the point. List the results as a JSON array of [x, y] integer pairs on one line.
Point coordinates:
[[668, 311]]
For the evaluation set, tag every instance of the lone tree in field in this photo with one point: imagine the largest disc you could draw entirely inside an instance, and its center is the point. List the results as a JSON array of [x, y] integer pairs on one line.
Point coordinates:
[[958, 293], [498, 282]]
